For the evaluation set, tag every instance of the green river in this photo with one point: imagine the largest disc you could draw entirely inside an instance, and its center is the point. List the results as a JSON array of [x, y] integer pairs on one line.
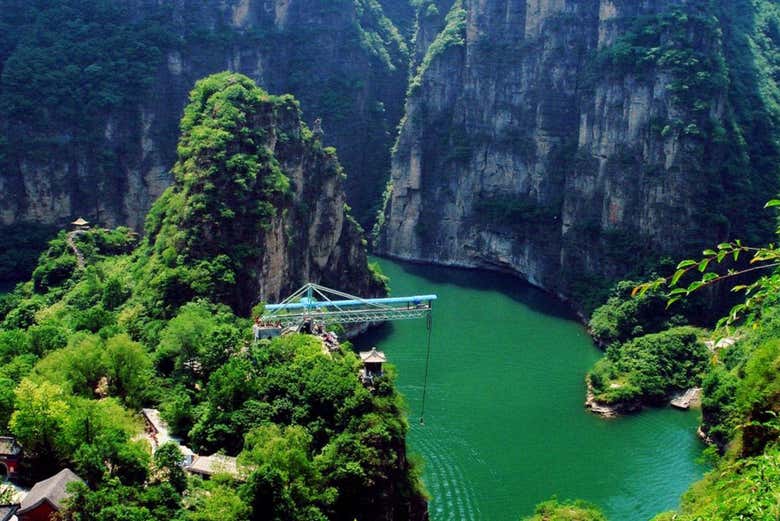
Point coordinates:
[[505, 426]]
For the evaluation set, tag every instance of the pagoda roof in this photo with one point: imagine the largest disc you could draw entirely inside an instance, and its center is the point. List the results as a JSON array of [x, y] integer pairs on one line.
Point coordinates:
[[373, 356]]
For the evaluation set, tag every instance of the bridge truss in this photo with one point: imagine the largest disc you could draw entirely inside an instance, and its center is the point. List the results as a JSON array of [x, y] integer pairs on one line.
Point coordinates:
[[317, 303]]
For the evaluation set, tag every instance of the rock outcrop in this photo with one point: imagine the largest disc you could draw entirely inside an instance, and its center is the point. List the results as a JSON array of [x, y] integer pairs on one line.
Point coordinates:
[[569, 141], [257, 208], [92, 97]]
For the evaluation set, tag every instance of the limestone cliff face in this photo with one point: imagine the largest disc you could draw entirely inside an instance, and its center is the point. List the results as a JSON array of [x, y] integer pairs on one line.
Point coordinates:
[[344, 60], [568, 140]]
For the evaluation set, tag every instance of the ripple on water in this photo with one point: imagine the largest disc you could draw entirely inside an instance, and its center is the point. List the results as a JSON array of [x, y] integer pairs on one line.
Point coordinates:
[[452, 494]]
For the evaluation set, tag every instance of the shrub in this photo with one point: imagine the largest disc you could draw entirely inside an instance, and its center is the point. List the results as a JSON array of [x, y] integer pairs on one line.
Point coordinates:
[[53, 273]]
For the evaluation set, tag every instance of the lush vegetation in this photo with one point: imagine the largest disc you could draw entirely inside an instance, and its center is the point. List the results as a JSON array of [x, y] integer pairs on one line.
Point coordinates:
[[741, 388], [207, 234], [204, 231], [650, 368], [554, 510], [452, 35], [151, 325]]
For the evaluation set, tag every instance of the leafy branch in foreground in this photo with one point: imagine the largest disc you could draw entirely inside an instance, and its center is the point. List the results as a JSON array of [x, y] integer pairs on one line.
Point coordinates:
[[760, 259]]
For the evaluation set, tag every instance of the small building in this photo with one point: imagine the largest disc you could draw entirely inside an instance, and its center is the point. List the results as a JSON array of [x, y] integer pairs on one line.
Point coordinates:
[[80, 224], [46, 497], [158, 434], [372, 364], [267, 332], [207, 466], [10, 455]]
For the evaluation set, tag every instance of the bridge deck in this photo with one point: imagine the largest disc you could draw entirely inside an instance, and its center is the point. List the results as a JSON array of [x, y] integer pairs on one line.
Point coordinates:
[[302, 306]]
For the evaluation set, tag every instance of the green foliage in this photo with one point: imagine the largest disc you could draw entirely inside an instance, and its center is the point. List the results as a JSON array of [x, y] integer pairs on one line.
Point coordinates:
[[114, 501], [675, 41], [284, 484], [78, 59], [81, 350], [206, 232], [742, 489], [453, 35], [167, 464], [39, 417], [53, 273], [651, 367], [376, 273], [197, 341], [554, 510], [719, 411], [128, 369], [622, 317], [217, 500], [342, 445], [115, 293]]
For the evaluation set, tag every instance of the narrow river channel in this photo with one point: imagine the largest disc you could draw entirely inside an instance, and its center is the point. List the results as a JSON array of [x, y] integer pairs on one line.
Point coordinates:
[[505, 426]]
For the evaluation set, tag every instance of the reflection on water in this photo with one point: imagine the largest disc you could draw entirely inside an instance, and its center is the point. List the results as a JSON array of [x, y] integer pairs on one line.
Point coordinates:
[[505, 426]]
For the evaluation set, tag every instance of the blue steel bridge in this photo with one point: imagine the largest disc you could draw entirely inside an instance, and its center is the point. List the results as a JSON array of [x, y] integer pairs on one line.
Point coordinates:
[[315, 303]]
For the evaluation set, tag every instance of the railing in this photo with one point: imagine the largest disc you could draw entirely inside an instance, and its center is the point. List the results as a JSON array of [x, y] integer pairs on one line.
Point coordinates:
[[353, 316], [318, 303]]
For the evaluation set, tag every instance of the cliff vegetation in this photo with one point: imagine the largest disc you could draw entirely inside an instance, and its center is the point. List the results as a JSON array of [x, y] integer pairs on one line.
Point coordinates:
[[91, 93], [111, 323]]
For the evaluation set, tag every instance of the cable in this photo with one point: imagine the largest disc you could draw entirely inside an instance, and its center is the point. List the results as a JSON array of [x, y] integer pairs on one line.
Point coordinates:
[[429, 324]]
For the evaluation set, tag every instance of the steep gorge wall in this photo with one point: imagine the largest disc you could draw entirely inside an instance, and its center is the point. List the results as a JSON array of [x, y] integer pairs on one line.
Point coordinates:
[[91, 95], [570, 141]]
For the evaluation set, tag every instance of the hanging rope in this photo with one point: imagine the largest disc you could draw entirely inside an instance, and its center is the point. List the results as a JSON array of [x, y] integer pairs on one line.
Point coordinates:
[[429, 323]]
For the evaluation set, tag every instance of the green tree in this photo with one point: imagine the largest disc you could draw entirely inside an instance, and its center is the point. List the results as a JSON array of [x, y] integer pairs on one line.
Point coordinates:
[[217, 500], [283, 486], [7, 402], [128, 368], [554, 510], [167, 464], [37, 422]]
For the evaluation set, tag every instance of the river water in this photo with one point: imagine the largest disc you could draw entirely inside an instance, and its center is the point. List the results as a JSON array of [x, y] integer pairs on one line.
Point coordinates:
[[505, 426]]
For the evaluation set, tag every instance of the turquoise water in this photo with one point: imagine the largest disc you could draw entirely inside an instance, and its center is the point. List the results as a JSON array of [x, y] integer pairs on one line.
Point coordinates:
[[505, 426]]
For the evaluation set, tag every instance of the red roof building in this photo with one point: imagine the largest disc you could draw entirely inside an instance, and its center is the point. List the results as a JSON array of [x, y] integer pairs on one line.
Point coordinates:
[[46, 497]]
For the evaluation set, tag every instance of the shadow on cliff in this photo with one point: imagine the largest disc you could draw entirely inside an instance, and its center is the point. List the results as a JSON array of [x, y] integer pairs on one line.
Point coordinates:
[[749, 38]]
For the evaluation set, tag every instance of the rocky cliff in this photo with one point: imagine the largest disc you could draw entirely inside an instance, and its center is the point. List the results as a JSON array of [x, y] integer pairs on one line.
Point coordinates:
[[257, 207], [569, 141], [92, 93]]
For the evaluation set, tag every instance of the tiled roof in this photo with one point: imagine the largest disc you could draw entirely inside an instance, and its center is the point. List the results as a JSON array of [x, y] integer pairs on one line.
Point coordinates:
[[51, 490]]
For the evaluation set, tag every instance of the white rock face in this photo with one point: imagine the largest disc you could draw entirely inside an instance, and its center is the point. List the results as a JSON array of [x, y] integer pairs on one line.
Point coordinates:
[[514, 121]]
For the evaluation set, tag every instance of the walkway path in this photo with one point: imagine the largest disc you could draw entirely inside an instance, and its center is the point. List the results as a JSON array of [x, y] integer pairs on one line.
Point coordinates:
[[70, 239]]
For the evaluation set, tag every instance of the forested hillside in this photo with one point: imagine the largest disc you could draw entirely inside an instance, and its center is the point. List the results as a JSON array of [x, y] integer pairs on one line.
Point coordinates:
[[111, 323], [586, 146]]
